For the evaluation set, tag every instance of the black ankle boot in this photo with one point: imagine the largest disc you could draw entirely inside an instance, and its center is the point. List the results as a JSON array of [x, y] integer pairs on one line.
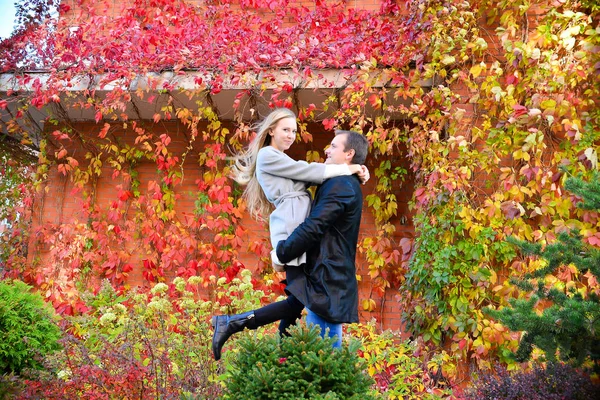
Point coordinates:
[[226, 325]]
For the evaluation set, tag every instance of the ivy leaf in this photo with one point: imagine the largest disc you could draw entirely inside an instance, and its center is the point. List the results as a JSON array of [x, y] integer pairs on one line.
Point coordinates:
[[104, 131], [475, 70], [447, 60], [512, 209], [594, 240], [591, 155]]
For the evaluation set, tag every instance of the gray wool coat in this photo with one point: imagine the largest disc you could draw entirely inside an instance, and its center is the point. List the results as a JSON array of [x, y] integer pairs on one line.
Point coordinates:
[[284, 182]]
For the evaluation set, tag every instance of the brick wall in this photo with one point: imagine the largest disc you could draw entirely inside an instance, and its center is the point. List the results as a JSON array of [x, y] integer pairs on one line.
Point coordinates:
[[58, 204]]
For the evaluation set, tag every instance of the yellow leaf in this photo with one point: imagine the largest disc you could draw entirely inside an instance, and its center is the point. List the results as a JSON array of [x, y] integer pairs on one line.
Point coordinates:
[[493, 277], [448, 60], [369, 304], [475, 70], [365, 304]]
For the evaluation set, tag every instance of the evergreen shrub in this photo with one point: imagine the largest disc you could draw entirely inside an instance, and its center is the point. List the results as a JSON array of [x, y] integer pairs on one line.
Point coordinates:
[[568, 327], [300, 366], [27, 327]]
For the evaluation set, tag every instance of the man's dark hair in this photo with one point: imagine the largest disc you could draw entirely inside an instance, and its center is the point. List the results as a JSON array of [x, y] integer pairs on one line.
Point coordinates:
[[358, 143]]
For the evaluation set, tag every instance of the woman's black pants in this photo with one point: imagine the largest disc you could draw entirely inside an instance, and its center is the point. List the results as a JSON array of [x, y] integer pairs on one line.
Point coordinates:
[[286, 311]]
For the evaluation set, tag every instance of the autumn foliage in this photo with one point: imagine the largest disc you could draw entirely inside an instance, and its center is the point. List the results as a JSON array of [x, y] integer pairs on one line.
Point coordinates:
[[491, 103]]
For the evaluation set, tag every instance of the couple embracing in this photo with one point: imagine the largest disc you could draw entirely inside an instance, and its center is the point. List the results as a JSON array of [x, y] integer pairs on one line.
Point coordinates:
[[314, 242]]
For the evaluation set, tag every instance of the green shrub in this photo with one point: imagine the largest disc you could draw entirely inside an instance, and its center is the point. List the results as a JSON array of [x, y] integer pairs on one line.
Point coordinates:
[[568, 328], [27, 328], [301, 366]]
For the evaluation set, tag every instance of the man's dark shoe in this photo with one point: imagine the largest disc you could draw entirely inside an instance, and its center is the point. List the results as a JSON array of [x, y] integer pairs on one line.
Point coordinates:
[[226, 325]]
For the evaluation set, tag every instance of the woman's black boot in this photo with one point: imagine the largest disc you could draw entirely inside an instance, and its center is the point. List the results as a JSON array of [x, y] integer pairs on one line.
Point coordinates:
[[226, 325]]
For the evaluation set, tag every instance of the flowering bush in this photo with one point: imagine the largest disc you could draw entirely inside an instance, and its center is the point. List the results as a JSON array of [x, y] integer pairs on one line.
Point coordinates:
[[156, 344], [141, 345], [401, 369]]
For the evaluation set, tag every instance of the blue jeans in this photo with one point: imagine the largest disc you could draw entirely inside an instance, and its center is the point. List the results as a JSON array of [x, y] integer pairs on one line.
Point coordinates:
[[334, 329]]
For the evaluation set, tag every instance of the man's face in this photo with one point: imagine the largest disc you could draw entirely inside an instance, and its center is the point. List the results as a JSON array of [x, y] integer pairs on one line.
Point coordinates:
[[335, 152]]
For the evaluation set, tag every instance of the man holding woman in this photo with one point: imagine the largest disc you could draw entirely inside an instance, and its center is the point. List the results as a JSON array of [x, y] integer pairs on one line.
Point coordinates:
[[324, 278]]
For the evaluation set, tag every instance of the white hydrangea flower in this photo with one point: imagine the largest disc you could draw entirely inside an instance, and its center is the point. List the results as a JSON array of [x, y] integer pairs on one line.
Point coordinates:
[[159, 304], [195, 280], [159, 288], [139, 298], [120, 308], [206, 305], [107, 318], [188, 304], [179, 283], [65, 374], [246, 275]]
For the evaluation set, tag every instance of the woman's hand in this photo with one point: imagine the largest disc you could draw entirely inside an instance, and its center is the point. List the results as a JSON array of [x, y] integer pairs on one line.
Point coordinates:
[[363, 174], [361, 171], [278, 267], [275, 263]]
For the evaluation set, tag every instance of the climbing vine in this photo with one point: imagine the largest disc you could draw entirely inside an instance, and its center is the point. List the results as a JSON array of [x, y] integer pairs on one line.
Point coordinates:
[[484, 106], [492, 151]]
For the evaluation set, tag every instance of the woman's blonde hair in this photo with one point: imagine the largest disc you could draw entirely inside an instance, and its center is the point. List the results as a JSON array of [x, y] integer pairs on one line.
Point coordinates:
[[244, 169]]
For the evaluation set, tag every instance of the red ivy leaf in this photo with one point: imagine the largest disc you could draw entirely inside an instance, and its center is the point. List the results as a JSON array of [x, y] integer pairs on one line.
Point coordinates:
[[594, 240], [329, 124], [511, 209], [104, 131]]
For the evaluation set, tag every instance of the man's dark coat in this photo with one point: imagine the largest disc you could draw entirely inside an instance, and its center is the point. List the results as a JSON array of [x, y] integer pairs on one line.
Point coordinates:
[[327, 284]]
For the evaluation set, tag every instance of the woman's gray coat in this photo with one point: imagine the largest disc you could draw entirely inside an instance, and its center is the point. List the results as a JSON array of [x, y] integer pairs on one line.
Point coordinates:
[[284, 182]]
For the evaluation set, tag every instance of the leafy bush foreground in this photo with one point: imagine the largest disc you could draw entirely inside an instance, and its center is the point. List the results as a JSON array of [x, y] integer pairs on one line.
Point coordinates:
[[157, 345], [554, 382], [27, 327]]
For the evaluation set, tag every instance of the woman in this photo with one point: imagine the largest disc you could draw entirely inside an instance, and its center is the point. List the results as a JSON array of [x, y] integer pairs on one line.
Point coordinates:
[[274, 180], [276, 186]]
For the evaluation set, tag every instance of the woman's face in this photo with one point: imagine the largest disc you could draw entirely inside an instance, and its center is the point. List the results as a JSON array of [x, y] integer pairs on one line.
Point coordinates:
[[283, 134]]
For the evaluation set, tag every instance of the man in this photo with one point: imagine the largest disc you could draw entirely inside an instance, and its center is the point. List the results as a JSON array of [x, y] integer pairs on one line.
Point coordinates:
[[326, 284]]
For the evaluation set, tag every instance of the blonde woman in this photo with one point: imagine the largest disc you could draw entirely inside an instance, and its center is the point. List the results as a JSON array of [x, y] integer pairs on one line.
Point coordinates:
[[276, 187]]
